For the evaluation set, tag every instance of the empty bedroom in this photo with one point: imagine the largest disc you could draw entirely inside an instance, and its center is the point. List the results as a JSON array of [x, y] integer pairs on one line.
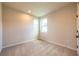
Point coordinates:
[[38, 29]]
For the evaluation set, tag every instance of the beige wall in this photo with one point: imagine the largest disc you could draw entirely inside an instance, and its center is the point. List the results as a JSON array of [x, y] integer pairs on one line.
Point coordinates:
[[78, 27], [62, 27], [17, 27], [78, 16], [0, 26]]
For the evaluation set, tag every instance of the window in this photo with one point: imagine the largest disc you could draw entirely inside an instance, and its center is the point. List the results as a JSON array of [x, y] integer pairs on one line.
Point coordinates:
[[35, 26], [43, 25]]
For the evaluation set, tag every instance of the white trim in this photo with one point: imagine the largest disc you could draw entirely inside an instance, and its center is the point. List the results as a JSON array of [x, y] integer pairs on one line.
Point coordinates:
[[32, 40], [17, 43], [59, 44]]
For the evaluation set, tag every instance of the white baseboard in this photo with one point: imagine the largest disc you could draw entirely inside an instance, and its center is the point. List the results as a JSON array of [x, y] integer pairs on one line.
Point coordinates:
[[17, 43], [59, 44], [34, 39]]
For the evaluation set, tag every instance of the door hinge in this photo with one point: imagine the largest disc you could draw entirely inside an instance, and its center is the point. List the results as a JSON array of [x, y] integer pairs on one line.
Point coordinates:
[[77, 46]]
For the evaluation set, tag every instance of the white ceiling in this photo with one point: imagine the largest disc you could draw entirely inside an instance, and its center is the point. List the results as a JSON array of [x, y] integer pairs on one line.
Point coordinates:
[[38, 8]]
